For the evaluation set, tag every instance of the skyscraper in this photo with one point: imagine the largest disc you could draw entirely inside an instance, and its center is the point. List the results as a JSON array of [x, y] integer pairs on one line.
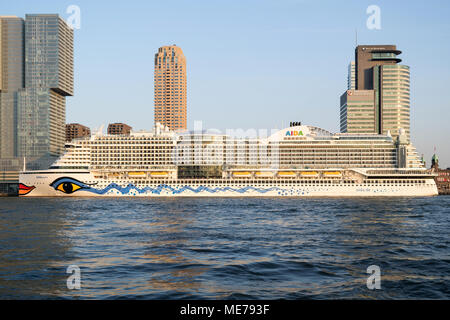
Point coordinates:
[[11, 80], [369, 56], [36, 74], [377, 69], [48, 80], [170, 88]]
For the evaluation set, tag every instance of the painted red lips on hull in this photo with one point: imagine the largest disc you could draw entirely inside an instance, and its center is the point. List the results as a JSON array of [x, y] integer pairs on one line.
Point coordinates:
[[24, 189]]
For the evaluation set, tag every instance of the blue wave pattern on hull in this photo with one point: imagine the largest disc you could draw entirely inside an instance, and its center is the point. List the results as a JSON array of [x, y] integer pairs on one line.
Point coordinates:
[[131, 189], [162, 187]]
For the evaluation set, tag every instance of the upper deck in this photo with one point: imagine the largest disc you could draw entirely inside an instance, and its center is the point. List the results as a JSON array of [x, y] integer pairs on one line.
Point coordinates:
[[294, 148]]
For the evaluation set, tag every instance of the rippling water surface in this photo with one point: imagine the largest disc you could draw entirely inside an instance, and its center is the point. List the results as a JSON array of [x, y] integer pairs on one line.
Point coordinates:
[[246, 248]]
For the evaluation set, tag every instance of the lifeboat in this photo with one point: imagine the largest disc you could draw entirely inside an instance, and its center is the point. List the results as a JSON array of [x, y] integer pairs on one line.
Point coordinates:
[[332, 174], [136, 174], [241, 174], [159, 174], [286, 174]]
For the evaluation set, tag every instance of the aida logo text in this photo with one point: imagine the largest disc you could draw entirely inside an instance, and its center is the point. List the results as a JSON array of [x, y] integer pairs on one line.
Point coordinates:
[[294, 133]]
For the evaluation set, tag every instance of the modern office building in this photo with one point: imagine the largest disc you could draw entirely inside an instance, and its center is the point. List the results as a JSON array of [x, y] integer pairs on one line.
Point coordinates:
[[48, 80], [369, 56], [170, 88], [394, 97], [357, 111], [76, 130], [36, 70], [377, 69], [11, 80], [119, 128]]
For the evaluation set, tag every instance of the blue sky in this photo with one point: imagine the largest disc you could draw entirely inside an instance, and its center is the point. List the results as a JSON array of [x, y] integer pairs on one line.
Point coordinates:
[[252, 64]]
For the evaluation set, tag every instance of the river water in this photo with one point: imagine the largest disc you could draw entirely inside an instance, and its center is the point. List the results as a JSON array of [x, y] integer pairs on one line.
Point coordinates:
[[219, 248]]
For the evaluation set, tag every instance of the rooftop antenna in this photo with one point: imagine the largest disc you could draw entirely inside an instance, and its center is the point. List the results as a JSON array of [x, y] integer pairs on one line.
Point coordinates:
[[356, 37]]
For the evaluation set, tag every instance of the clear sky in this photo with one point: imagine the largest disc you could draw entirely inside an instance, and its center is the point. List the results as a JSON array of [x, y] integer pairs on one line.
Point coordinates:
[[252, 64]]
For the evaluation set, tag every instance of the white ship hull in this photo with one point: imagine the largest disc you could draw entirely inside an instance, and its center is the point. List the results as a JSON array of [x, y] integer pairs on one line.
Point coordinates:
[[57, 184]]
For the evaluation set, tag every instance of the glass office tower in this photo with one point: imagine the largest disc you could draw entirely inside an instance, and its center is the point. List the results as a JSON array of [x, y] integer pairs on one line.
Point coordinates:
[[48, 53], [357, 113], [41, 106], [395, 99], [11, 80]]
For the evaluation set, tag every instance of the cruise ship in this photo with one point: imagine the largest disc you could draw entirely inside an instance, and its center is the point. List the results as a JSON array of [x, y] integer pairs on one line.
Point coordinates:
[[298, 161]]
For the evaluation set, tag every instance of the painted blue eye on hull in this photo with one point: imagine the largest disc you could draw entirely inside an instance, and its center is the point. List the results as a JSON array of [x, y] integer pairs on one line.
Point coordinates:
[[69, 185]]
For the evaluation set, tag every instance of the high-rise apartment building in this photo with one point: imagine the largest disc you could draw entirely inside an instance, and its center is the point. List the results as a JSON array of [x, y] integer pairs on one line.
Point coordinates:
[[36, 68], [119, 128], [377, 69], [170, 88], [76, 130]]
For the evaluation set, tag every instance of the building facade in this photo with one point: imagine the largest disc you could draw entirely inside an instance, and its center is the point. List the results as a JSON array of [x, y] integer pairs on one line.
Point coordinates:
[[369, 56], [357, 112], [377, 69], [351, 77], [170, 88], [119, 128], [394, 96], [442, 177], [75, 131], [11, 80]]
